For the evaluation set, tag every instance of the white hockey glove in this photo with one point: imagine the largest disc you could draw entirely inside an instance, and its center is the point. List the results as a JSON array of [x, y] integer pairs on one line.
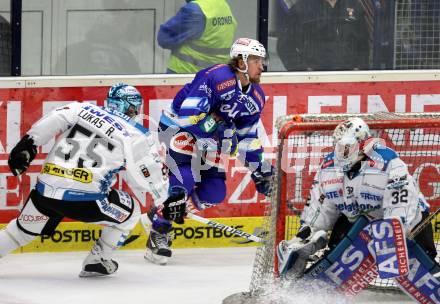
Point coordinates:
[[293, 254]]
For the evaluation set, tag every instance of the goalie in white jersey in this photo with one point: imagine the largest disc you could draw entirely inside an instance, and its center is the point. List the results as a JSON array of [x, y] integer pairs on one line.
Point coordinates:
[[95, 143], [361, 177]]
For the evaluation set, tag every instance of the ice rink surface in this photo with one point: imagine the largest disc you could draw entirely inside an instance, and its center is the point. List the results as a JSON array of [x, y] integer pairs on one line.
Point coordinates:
[[193, 276]]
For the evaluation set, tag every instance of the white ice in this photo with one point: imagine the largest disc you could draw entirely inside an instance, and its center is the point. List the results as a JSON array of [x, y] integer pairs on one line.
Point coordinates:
[[193, 276]]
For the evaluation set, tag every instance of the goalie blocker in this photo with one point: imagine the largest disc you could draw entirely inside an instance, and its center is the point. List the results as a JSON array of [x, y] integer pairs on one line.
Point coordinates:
[[370, 250]]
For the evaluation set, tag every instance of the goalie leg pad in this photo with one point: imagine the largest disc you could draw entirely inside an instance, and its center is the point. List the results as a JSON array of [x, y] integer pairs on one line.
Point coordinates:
[[350, 266], [389, 245], [421, 283]]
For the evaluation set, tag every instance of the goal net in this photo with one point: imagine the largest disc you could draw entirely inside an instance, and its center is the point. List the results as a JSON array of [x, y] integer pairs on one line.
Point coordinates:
[[303, 142]]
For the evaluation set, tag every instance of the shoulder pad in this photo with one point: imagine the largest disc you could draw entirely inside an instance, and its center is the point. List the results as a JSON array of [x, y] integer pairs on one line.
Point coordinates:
[[397, 174], [226, 84], [216, 72], [381, 156], [222, 79], [216, 68], [385, 152]]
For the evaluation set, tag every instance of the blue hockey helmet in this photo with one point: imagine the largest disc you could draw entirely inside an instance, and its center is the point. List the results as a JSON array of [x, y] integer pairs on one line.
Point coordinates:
[[124, 98]]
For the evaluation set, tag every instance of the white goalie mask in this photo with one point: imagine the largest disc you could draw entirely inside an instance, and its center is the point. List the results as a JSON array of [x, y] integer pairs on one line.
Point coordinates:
[[349, 139]]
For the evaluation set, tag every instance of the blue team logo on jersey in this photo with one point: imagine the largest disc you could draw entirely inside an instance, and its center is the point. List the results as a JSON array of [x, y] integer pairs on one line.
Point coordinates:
[[371, 197], [226, 84], [204, 105], [228, 95], [333, 194], [205, 88], [251, 106], [355, 207], [242, 98], [231, 110]]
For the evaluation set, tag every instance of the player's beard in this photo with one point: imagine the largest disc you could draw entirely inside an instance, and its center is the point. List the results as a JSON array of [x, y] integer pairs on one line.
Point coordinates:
[[255, 79]]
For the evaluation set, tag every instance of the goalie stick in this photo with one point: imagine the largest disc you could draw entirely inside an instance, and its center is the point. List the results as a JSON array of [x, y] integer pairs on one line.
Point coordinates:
[[423, 224]]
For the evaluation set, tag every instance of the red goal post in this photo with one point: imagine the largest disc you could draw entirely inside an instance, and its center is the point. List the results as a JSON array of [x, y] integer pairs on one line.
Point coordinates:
[[303, 141]]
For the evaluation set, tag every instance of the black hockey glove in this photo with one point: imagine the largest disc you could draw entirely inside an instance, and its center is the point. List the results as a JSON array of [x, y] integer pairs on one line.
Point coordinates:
[[174, 208], [22, 155], [263, 179]]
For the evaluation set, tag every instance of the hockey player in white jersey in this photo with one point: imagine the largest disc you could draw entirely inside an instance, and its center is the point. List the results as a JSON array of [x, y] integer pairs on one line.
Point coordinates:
[[360, 178], [94, 144]]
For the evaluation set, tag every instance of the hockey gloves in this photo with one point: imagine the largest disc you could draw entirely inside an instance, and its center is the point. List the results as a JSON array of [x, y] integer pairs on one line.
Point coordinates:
[[174, 208], [293, 254], [262, 178], [22, 155]]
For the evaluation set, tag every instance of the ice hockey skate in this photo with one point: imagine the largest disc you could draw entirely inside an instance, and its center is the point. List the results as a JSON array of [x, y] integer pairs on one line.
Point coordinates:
[[158, 248], [96, 266]]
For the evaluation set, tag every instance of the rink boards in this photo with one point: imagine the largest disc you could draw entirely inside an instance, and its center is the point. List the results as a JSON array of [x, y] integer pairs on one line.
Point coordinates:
[[25, 100], [74, 236]]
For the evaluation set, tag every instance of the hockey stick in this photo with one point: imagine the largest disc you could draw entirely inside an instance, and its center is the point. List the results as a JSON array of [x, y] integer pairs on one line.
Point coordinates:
[[225, 228], [423, 224], [203, 220]]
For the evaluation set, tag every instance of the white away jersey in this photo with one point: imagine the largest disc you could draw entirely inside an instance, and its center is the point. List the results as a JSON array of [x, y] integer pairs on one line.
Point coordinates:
[[381, 188], [93, 146]]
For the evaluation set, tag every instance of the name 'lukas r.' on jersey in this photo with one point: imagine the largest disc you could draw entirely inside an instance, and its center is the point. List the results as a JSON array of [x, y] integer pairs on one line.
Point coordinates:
[[95, 145], [100, 118]]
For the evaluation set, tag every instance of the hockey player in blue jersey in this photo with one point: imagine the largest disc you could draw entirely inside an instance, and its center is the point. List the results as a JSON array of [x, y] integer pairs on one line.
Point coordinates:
[[365, 195], [216, 114]]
